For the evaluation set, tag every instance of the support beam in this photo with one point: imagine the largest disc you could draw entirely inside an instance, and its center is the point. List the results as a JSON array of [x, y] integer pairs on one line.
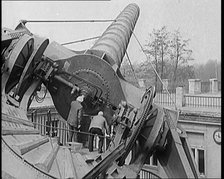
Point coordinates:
[[19, 131], [8, 118]]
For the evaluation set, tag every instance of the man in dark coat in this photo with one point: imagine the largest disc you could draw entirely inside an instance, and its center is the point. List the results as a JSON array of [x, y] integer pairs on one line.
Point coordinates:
[[74, 117]]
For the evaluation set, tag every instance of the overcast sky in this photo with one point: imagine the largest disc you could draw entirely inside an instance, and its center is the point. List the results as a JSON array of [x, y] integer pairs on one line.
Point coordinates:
[[197, 20]]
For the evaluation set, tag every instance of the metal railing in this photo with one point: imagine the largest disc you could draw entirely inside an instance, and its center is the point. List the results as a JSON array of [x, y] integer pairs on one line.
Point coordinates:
[[203, 101], [51, 124], [165, 99]]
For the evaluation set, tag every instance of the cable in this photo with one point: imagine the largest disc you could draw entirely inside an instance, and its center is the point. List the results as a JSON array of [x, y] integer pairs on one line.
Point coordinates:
[[82, 40], [154, 69], [131, 67], [43, 21]]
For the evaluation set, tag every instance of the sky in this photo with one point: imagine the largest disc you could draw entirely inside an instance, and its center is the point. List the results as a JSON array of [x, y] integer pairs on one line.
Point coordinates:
[[197, 20]]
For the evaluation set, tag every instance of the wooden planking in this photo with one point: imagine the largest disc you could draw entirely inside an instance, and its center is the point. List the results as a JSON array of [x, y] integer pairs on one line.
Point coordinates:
[[112, 171], [34, 155], [90, 160], [19, 131], [60, 159], [6, 175], [21, 168], [28, 146], [46, 161], [18, 139], [126, 172], [75, 146], [16, 120], [119, 172], [82, 167]]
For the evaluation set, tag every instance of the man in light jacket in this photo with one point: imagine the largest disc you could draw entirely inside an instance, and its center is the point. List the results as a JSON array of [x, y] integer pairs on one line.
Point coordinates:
[[97, 126]]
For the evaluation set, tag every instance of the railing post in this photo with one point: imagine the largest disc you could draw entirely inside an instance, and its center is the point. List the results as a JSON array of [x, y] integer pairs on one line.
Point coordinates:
[[194, 86], [213, 85], [35, 117], [180, 99], [59, 131], [32, 116], [165, 84], [65, 134], [56, 127], [49, 122]]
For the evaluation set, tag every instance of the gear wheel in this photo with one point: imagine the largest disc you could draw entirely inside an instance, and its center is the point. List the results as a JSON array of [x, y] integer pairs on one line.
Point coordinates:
[[95, 78]]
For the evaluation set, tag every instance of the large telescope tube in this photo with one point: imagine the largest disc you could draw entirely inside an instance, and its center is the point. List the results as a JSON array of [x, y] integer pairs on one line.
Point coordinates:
[[115, 39]]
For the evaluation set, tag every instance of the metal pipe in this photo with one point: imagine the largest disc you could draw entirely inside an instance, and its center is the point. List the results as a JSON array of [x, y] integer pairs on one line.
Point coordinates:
[[115, 39]]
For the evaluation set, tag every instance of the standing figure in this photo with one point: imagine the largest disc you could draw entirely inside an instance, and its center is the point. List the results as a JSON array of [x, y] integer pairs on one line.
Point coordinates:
[[75, 117], [97, 126]]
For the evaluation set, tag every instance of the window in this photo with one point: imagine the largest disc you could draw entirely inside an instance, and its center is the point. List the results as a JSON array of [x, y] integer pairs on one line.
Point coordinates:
[[199, 156], [201, 162]]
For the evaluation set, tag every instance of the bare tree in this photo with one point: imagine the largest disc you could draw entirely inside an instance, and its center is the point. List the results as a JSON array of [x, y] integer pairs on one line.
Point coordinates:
[[157, 48], [163, 39], [152, 49], [179, 53]]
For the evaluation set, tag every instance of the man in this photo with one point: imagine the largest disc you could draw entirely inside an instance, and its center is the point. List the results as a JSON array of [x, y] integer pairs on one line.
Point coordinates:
[[74, 117], [97, 126]]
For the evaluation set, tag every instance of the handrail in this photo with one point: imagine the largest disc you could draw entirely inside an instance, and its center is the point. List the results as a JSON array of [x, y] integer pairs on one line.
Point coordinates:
[[87, 133], [49, 119]]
